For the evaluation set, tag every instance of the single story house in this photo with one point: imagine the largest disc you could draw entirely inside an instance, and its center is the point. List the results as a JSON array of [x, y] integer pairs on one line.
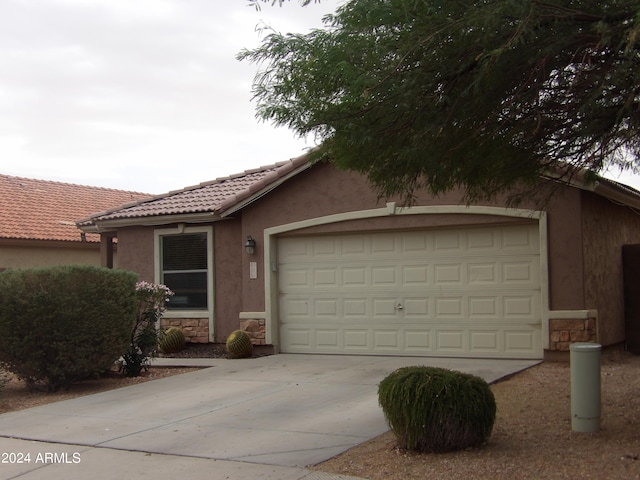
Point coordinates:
[[308, 260], [37, 221]]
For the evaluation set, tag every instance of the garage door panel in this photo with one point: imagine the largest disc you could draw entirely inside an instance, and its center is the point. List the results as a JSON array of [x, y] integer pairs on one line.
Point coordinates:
[[520, 239], [354, 276], [383, 276], [356, 307], [294, 251], [326, 307], [414, 275], [483, 240], [497, 308], [519, 306], [416, 243], [522, 272], [324, 276], [415, 307], [448, 242], [388, 340], [382, 244], [449, 274], [296, 277], [296, 309], [450, 341], [458, 292], [357, 339], [453, 340], [482, 274], [485, 341], [521, 342], [327, 338], [417, 341], [298, 337], [449, 307], [384, 307], [483, 307], [324, 247], [354, 246]]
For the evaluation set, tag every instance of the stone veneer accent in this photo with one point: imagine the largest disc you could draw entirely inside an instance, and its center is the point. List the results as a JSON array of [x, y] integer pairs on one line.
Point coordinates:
[[196, 330], [256, 328], [564, 332]]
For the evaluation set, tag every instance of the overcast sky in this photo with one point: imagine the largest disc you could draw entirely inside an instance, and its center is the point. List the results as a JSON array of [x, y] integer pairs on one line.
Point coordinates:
[[141, 95]]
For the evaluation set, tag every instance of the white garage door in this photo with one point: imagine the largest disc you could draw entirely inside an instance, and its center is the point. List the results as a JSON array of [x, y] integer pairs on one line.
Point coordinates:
[[468, 292]]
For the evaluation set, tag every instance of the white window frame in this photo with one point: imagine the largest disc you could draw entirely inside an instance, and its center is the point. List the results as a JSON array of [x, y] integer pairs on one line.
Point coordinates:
[[157, 252]]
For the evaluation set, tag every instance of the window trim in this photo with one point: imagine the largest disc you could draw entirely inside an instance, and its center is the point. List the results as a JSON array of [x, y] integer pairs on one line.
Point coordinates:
[[157, 252]]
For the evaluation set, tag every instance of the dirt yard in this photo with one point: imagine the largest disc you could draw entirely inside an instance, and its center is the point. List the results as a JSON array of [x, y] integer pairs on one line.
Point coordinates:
[[532, 437], [15, 395]]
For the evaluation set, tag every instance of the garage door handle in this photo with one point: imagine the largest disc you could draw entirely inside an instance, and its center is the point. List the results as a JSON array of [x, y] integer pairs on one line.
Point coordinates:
[[399, 307]]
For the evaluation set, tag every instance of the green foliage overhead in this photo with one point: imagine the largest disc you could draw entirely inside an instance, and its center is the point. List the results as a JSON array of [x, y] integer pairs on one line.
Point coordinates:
[[433, 409], [62, 324], [483, 95]]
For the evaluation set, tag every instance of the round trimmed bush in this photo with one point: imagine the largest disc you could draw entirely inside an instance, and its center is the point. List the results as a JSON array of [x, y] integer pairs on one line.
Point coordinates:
[[239, 344], [437, 410], [172, 340]]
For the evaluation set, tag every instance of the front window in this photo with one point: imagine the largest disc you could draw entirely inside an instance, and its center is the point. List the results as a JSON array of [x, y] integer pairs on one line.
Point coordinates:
[[183, 268]]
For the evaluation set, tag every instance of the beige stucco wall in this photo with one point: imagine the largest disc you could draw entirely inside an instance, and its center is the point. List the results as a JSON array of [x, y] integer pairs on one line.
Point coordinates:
[[135, 251], [580, 278], [565, 262], [229, 255], [324, 190], [606, 228], [48, 254]]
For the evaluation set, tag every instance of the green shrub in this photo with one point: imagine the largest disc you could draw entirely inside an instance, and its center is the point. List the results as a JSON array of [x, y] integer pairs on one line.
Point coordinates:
[[239, 344], [437, 410], [62, 324], [172, 340]]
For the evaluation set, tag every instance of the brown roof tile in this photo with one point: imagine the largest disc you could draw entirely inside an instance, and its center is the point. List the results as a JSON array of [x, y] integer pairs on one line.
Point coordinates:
[[44, 210], [214, 197]]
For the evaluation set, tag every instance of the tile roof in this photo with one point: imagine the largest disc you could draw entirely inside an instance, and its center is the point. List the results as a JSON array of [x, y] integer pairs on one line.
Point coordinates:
[[44, 210], [214, 197]]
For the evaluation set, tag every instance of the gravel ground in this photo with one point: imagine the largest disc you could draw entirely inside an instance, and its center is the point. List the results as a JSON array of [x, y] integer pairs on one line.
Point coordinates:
[[532, 437], [210, 350]]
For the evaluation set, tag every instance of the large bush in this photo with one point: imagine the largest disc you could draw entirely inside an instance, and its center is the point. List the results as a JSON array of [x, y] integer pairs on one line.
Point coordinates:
[[437, 410], [63, 324]]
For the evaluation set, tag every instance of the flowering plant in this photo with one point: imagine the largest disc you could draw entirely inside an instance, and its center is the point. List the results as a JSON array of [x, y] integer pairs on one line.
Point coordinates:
[[152, 299]]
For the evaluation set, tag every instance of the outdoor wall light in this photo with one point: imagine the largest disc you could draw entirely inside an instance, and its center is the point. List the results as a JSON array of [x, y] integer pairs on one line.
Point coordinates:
[[250, 245]]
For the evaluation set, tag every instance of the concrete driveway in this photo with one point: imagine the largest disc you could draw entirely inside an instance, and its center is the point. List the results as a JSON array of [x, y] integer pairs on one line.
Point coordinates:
[[282, 410]]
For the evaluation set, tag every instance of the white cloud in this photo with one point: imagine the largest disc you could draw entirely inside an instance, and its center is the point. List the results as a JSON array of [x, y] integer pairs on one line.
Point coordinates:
[[143, 95]]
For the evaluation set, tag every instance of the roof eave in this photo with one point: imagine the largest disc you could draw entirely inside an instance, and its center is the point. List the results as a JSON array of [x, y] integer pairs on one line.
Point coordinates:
[[101, 226], [616, 193], [610, 189]]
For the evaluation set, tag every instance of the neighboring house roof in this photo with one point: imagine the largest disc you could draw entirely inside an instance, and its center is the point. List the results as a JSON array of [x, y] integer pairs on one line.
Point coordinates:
[[206, 201], [44, 210], [221, 197]]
